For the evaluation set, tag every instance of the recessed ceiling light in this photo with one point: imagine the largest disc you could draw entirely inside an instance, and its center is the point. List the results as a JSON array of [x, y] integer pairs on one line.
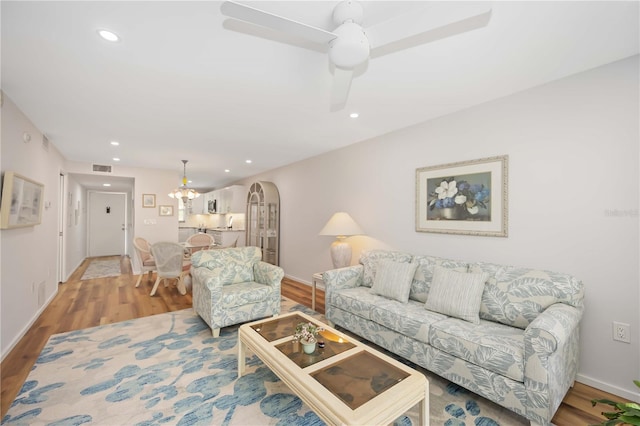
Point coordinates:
[[115, 143], [106, 184], [116, 159], [227, 170], [354, 115], [108, 35], [248, 161]]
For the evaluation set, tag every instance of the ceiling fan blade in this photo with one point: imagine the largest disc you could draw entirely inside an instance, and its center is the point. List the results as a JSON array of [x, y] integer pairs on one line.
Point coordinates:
[[269, 20], [434, 22], [341, 86]]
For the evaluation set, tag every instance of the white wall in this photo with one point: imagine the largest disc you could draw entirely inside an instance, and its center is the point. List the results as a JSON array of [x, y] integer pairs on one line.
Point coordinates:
[[75, 235], [29, 256], [146, 223], [573, 149]]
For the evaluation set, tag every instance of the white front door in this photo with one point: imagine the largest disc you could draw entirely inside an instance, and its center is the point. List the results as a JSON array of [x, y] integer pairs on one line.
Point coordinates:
[[107, 223]]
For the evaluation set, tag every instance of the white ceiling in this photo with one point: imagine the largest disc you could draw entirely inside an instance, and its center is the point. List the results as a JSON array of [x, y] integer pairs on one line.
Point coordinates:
[[185, 82]]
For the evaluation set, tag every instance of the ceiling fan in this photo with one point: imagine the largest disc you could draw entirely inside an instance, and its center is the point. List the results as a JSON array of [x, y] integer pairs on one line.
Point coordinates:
[[351, 45]]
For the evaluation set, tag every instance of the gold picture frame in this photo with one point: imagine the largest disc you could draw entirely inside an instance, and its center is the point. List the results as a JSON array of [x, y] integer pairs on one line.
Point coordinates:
[[149, 201], [467, 198], [165, 210]]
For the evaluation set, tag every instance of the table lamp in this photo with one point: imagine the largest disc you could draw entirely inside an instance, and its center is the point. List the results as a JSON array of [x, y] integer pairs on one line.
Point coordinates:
[[341, 225]]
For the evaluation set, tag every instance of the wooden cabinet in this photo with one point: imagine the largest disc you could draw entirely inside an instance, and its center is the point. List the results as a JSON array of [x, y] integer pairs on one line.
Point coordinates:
[[263, 220]]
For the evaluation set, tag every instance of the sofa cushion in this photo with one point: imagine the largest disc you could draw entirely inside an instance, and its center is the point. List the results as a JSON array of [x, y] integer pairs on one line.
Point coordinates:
[[245, 293], [409, 319], [424, 274], [516, 296], [393, 279], [358, 301], [370, 259], [232, 265], [457, 294], [496, 347]]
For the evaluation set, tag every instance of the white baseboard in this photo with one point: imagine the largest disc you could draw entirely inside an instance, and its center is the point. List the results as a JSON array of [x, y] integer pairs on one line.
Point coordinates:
[[305, 282], [607, 387], [26, 328], [300, 280]]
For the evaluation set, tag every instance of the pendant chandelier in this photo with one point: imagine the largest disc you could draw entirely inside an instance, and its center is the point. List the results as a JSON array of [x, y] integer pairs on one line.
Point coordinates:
[[184, 192]]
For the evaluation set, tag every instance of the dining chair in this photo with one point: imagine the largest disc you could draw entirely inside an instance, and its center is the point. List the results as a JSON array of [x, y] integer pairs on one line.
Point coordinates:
[[200, 241], [145, 258], [170, 265]]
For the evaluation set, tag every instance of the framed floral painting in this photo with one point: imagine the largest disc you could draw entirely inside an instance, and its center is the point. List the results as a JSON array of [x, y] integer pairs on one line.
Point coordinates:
[[468, 197]]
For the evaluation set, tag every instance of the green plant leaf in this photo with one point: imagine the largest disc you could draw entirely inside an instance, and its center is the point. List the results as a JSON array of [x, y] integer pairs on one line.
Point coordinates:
[[632, 420], [603, 401]]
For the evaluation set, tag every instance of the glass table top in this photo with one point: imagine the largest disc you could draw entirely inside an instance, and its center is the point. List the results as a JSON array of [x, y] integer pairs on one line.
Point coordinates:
[[359, 378]]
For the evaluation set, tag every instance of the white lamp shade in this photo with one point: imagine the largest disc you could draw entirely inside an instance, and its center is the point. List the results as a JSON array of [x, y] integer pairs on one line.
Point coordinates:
[[341, 224]]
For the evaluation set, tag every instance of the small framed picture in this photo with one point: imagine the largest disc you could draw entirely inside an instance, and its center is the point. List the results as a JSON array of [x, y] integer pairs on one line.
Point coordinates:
[[166, 210], [148, 200]]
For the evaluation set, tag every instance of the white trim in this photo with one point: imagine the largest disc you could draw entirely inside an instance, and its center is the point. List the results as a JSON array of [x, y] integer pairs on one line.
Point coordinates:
[[26, 328], [623, 393]]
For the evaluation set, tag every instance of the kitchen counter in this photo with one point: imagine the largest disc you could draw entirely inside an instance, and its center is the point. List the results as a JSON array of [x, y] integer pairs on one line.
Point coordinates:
[[227, 237]]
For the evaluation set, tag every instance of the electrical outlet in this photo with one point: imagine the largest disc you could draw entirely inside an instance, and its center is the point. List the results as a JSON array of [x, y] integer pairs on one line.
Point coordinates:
[[621, 332]]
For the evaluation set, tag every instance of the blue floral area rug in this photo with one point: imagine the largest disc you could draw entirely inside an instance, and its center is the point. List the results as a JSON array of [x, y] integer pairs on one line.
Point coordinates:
[[167, 369]]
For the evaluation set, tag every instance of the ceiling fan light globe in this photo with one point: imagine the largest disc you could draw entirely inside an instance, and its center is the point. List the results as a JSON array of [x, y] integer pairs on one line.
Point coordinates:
[[351, 47], [348, 10]]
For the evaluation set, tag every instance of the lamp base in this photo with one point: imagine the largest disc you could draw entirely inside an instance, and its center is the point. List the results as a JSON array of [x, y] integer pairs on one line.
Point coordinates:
[[340, 253]]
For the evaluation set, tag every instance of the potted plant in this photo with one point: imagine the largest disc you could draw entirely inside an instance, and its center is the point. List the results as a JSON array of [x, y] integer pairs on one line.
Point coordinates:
[[626, 413], [306, 333]]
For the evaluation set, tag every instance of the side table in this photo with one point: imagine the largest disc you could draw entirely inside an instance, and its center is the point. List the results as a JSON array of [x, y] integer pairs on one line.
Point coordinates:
[[317, 278]]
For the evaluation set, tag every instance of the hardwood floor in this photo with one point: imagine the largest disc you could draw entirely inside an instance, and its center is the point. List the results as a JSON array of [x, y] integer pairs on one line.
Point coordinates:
[[82, 304]]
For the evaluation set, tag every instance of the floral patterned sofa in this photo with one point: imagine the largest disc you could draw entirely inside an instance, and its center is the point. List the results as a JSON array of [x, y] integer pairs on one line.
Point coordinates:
[[233, 285], [507, 333]]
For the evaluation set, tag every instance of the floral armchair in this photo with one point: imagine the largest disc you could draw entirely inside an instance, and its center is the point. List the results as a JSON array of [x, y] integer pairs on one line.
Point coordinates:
[[233, 285]]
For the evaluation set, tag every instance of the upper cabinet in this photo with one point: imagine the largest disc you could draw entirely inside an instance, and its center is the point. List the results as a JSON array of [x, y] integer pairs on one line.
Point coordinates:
[[231, 199], [196, 206]]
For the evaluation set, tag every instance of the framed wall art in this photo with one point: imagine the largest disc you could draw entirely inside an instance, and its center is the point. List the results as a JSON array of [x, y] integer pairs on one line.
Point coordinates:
[[468, 198], [166, 210], [149, 200], [21, 201]]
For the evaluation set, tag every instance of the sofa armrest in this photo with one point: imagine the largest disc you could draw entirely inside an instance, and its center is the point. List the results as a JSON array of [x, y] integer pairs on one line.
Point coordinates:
[[349, 277], [266, 273], [552, 327], [551, 345]]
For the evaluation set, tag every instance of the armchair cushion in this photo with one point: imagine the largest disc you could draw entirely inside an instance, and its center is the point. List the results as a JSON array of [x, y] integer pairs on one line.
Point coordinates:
[[244, 294]]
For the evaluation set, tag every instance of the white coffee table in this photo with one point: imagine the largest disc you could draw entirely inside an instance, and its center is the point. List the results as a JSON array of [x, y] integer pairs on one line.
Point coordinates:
[[344, 383]]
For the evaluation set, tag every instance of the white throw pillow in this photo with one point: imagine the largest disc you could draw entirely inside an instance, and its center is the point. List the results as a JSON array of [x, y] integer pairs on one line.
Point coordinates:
[[456, 294], [393, 279]]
